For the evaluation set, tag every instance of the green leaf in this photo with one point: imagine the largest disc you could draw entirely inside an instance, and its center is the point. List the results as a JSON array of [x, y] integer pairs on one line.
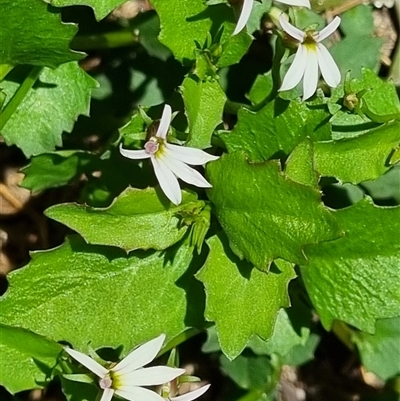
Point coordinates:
[[249, 371], [101, 8], [204, 104], [358, 21], [51, 107], [358, 27], [90, 294], [75, 391], [301, 354], [137, 219], [261, 88], [284, 338], [260, 296], [356, 278], [185, 23], [358, 159], [264, 214], [32, 33], [349, 125], [386, 187], [55, 169], [381, 102], [300, 165], [380, 352], [277, 127], [26, 359]]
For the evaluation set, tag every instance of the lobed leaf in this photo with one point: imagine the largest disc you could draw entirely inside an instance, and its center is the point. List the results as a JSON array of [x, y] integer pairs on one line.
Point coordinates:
[[56, 169], [89, 294], [240, 296], [380, 352], [358, 27], [250, 372], [204, 104], [358, 159], [356, 278], [51, 107], [137, 219], [33, 33], [185, 23], [264, 214], [278, 127], [26, 359], [287, 334]]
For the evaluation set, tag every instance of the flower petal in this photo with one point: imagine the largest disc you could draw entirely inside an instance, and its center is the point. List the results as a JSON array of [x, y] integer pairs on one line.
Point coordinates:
[[193, 156], [299, 3], [244, 16], [311, 75], [329, 69], [140, 356], [152, 376], [184, 172], [134, 154], [329, 29], [164, 122], [107, 394], [139, 394], [88, 362], [296, 70], [192, 395], [167, 180], [290, 29]]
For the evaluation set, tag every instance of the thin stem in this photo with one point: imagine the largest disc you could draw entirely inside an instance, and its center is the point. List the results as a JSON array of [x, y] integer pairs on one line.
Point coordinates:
[[19, 95], [276, 78], [4, 70], [105, 41], [179, 339], [343, 333]]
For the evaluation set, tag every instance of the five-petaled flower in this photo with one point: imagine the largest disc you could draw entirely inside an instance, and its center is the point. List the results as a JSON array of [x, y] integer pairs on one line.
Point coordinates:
[[126, 377], [248, 5], [311, 55], [170, 161]]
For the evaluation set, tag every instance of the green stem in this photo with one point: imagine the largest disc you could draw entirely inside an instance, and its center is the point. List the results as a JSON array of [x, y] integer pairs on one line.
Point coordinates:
[[343, 333], [275, 72], [179, 339], [105, 41], [4, 70], [19, 95], [253, 395]]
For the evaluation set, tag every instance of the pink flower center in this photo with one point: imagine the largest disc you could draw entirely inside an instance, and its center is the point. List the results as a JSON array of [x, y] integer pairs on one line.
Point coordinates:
[[151, 147], [105, 382]]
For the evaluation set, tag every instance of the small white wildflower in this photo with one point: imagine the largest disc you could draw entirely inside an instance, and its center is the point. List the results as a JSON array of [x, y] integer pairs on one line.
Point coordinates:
[[126, 377], [170, 161], [311, 55]]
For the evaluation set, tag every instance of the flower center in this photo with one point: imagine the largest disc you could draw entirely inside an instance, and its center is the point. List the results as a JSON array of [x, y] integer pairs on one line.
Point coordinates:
[[151, 146], [105, 382], [310, 40]]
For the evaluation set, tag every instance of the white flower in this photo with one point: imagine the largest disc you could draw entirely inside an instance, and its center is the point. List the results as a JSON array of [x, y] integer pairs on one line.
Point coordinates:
[[248, 5], [311, 55], [125, 378], [170, 161], [192, 395]]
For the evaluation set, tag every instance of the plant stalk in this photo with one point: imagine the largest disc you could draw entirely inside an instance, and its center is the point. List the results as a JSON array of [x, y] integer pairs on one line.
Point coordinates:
[[108, 40], [4, 70], [19, 95]]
